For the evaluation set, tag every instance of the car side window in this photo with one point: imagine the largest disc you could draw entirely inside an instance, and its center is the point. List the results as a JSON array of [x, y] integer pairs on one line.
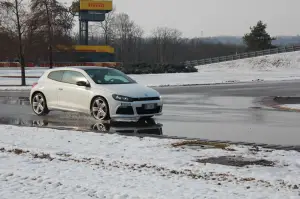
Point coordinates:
[[72, 77], [56, 75]]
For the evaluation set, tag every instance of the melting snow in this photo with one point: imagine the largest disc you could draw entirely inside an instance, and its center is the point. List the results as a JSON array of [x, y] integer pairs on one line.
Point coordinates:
[[48, 163]]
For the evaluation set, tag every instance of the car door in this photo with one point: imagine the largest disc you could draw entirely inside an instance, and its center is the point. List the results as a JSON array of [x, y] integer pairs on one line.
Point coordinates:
[[50, 91], [71, 96]]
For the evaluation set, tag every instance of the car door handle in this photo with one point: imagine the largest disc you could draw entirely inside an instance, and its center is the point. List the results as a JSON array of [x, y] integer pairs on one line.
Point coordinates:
[[60, 89]]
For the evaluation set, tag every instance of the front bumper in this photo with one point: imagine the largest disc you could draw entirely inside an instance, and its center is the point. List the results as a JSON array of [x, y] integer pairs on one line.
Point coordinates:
[[135, 110]]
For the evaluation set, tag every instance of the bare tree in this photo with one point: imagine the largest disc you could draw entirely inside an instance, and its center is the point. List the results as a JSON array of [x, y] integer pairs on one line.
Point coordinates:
[[75, 7], [165, 45], [9, 45], [39, 7], [136, 35], [165, 39], [14, 11], [107, 27], [53, 18], [127, 34], [174, 44]]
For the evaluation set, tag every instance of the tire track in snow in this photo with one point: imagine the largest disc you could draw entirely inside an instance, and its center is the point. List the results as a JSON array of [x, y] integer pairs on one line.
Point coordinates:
[[212, 177]]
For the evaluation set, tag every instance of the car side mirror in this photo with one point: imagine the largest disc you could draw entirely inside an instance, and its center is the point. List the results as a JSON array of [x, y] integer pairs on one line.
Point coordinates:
[[83, 83]]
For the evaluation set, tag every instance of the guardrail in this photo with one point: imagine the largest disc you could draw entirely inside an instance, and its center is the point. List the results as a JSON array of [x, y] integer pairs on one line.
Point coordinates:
[[242, 55]]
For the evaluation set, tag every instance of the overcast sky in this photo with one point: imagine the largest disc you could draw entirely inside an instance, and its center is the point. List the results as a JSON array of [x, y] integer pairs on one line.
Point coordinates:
[[214, 17]]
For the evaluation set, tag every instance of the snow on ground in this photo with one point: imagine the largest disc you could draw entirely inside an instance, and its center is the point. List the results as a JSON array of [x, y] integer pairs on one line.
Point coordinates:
[[270, 63], [48, 163], [285, 66]]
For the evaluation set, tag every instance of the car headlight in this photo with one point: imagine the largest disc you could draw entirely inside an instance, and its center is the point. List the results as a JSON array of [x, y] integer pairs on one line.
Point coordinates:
[[122, 98]]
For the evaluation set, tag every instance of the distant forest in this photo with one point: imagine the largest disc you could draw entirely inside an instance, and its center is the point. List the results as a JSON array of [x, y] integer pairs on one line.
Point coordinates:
[[238, 40], [31, 34]]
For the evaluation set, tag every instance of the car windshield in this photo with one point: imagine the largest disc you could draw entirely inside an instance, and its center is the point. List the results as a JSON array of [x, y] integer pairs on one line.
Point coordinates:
[[109, 76]]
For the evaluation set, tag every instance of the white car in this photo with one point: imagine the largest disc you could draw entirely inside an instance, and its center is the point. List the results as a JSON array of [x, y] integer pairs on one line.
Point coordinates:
[[105, 93]]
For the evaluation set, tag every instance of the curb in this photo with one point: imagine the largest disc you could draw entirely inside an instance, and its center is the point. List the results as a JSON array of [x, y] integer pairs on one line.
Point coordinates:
[[281, 107], [270, 102]]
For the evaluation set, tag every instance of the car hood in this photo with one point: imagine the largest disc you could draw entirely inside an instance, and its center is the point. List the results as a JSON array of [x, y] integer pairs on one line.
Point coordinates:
[[130, 90]]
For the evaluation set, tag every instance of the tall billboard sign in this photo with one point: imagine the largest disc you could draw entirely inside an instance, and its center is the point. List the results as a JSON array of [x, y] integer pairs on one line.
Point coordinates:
[[96, 5], [91, 10]]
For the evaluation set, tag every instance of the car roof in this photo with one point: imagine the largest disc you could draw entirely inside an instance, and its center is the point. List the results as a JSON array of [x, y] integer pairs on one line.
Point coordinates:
[[79, 67]]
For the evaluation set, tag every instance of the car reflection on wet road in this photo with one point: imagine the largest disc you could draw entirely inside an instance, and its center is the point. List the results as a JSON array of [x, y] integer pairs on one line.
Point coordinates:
[[223, 112], [143, 127], [74, 121]]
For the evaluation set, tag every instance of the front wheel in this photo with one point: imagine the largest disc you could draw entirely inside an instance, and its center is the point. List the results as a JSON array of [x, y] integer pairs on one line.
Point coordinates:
[[100, 109], [39, 104]]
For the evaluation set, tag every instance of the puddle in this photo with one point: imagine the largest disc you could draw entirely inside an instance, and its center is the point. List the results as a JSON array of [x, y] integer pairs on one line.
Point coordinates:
[[287, 100], [255, 107], [15, 100], [236, 161], [142, 127], [19, 122], [77, 121], [149, 127]]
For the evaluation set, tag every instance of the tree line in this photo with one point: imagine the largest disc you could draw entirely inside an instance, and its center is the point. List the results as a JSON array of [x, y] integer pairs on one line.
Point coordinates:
[[164, 45], [44, 24], [37, 27], [31, 30]]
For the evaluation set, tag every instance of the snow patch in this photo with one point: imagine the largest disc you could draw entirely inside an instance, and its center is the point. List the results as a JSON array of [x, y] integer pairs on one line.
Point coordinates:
[[48, 163], [278, 67]]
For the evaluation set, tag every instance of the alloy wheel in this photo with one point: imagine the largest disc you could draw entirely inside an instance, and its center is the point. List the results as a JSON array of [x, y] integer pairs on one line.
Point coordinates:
[[38, 104], [99, 109]]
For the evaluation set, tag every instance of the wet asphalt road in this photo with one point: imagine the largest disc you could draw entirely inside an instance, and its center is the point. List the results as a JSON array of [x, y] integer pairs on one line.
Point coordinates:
[[219, 112]]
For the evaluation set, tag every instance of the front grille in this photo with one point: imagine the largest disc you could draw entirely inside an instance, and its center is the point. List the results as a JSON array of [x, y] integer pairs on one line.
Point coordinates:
[[145, 99], [143, 111], [128, 110]]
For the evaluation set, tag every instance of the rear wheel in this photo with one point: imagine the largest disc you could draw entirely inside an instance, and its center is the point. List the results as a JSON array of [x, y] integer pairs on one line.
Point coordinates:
[[100, 109], [39, 104]]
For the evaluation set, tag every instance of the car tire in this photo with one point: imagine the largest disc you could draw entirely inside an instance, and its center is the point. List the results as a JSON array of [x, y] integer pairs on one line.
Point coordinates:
[[39, 104], [100, 109]]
